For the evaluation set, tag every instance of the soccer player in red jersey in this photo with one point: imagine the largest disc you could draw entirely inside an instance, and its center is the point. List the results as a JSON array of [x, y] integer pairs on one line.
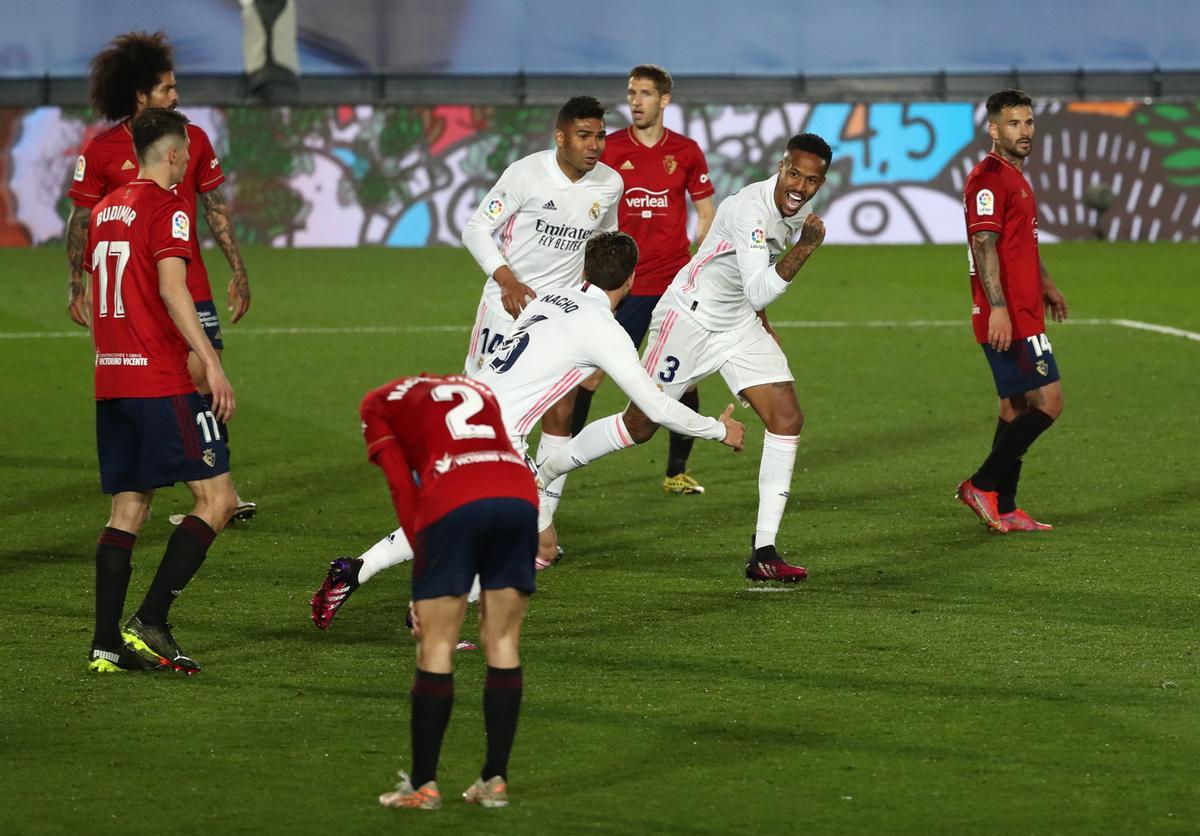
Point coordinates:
[[468, 504], [135, 72], [152, 427], [660, 169], [1011, 290]]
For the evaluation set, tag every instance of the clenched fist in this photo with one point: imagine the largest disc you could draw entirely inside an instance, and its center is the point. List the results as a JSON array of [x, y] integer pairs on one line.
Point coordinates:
[[813, 232]]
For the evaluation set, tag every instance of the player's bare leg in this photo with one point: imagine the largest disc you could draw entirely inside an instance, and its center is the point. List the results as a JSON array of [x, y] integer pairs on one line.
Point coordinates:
[[245, 509], [501, 613], [779, 408]]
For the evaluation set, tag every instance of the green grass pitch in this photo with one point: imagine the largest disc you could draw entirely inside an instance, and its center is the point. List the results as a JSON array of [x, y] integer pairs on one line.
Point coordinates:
[[929, 677]]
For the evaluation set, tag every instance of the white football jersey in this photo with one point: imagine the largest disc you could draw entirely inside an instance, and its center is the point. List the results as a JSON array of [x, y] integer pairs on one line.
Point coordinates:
[[561, 338], [733, 274], [544, 220]]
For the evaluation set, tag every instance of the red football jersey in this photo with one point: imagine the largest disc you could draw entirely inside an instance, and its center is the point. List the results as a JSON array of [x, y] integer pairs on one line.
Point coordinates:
[[653, 209], [998, 198], [139, 350], [453, 442], [108, 162]]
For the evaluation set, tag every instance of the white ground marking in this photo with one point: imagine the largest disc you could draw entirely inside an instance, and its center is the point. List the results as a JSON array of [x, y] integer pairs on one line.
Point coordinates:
[[319, 330]]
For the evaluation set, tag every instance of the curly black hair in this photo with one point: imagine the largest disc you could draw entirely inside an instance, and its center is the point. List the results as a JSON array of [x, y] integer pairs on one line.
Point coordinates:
[[133, 63]]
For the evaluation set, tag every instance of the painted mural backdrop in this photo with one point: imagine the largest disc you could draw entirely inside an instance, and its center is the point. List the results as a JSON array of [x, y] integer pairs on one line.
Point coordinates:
[[355, 175]]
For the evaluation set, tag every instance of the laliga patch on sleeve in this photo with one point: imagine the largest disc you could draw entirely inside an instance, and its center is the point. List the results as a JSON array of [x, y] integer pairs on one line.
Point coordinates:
[[494, 208], [180, 226], [758, 238], [985, 202], [80, 168]]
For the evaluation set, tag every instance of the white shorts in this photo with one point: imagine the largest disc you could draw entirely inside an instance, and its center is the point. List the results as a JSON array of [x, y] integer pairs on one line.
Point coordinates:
[[679, 354], [492, 327]]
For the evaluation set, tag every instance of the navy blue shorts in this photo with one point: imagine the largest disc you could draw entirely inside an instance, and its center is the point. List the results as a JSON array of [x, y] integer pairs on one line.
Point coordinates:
[[495, 538], [1027, 365], [147, 443], [634, 313], [207, 311]]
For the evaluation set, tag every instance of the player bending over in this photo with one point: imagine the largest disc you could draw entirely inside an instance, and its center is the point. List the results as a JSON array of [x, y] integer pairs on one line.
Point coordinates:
[[471, 510], [559, 339], [712, 319]]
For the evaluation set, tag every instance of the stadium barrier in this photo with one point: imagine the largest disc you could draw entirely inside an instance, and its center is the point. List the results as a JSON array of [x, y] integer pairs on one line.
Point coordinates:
[[355, 175]]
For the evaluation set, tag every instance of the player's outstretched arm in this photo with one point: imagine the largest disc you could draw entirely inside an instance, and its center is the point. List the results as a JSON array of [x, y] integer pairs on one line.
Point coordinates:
[[987, 268], [77, 237], [216, 212], [1056, 303], [172, 287]]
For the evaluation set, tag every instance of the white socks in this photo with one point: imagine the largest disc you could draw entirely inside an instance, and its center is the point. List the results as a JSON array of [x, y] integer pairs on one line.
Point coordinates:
[[552, 488], [594, 441], [387, 552], [774, 482]]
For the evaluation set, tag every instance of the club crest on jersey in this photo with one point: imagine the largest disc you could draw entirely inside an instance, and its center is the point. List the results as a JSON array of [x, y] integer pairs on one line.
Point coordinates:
[[181, 227], [669, 163], [494, 208], [80, 168], [594, 212], [1043, 368], [210, 457], [985, 202], [758, 238]]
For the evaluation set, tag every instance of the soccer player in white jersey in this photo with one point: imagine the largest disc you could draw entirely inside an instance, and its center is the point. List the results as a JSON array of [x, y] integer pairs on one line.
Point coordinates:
[[713, 319], [560, 338], [545, 207]]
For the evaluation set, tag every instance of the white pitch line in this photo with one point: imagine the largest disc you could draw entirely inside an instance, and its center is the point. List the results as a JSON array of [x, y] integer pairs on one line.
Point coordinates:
[[1158, 329], [767, 589], [324, 330]]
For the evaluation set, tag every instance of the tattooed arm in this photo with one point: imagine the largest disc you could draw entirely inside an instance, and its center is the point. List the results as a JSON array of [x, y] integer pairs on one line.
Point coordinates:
[[987, 268], [77, 234], [216, 212]]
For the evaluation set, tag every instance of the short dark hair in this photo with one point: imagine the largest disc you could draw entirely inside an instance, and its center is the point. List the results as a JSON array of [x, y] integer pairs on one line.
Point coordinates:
[[133, 63], [579, 107], [812, 144], [1010, 97], [609, 259], [652, 72], [152, 124]]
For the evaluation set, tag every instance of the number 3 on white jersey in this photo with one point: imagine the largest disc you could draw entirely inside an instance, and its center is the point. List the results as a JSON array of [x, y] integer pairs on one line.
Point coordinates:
[[458, 420]]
